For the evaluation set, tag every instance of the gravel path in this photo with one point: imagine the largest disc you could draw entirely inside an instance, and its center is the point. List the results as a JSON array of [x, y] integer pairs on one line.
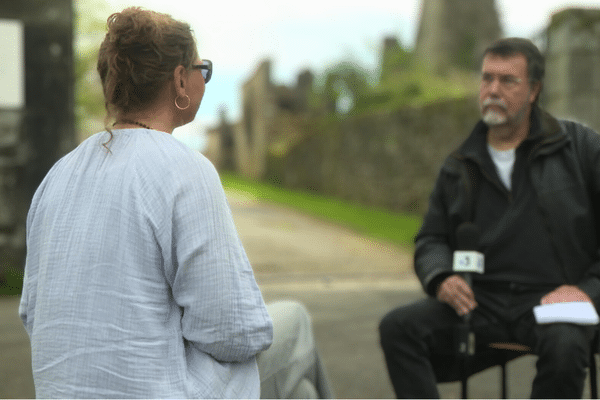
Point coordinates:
[[286, 245]]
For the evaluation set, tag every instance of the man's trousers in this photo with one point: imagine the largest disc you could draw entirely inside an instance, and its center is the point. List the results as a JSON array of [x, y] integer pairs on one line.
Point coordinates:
[[419, 342]]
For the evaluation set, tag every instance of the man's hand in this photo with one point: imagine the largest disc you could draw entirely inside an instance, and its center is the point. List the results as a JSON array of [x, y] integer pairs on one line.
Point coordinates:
[[565, 294], [455, 291]]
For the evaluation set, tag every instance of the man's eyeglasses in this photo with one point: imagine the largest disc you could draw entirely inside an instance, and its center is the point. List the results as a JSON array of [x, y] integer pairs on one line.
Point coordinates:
[[506, 81], [205, 68]]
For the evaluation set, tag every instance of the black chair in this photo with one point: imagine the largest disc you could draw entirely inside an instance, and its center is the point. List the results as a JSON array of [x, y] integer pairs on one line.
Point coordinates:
[[510, 351]]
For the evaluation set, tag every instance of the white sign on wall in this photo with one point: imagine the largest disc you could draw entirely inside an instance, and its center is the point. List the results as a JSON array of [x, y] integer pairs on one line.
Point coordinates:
[[12, 64]]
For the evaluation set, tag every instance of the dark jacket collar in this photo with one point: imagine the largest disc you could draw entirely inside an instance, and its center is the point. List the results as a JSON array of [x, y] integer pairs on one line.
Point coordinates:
[[545, 133]]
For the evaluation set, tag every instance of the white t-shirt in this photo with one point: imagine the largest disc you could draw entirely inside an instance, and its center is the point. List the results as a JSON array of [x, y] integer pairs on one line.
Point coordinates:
[[505, 162]]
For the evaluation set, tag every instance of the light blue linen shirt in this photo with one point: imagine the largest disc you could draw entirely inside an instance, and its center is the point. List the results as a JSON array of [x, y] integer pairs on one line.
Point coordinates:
[[136, 282]]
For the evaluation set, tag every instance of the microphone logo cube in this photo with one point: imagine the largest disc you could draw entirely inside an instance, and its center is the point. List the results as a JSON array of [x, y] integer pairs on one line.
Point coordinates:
[[468, 261]]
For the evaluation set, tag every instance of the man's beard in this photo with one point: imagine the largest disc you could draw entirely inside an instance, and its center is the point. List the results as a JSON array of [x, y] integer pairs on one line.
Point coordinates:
[[493, 117]]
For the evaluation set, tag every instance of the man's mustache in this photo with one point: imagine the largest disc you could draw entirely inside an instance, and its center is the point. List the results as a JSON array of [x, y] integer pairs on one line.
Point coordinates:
[[494, 102]]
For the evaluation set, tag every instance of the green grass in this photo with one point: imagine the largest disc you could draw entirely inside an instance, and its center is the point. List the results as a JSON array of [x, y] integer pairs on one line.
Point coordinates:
[[377, 223], [12, 283]]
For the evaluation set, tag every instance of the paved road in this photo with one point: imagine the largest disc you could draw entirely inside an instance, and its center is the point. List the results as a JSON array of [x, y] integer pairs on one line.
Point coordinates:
[[345, 317], [285, 243], [346, 281]]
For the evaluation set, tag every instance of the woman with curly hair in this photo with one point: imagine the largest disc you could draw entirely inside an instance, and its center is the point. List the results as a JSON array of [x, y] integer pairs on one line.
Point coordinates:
[[136, 282]]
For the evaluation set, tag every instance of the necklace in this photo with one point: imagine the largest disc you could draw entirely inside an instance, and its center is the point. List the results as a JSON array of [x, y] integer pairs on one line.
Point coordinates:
[[128, 121]]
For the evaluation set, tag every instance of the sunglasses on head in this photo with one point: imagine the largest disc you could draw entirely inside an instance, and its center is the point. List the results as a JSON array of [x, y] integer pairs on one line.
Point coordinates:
[[205, 68]]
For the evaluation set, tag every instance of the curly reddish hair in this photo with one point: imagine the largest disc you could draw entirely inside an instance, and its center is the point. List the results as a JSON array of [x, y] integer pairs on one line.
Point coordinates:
[[139, 53]]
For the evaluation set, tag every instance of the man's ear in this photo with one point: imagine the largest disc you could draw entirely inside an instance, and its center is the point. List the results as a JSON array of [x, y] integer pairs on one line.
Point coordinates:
[[536, 89]]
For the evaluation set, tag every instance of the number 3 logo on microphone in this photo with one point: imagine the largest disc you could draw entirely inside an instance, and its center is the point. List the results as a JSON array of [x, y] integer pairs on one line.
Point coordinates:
[[468, 261]]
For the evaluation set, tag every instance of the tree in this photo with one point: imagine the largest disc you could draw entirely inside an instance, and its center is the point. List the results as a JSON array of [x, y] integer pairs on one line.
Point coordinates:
[[90, 28], [345, 84]]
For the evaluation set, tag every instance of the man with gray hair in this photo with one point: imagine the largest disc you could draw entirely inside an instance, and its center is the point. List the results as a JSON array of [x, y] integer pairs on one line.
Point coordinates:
[[529, 184]]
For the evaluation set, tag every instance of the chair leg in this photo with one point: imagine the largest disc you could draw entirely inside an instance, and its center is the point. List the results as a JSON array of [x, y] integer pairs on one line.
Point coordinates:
[[504, 384], [464, 382], [593, 376]]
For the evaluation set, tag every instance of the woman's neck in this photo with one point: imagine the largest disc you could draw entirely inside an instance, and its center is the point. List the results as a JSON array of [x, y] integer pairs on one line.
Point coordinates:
[[156, 119]]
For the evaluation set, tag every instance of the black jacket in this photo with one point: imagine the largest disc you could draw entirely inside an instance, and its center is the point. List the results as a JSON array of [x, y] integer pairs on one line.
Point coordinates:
[[564, 169]]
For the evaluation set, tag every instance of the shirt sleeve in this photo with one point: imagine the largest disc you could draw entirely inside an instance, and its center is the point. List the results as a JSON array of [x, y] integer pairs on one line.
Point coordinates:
[[224, 314], [25, 312], [23, 309]]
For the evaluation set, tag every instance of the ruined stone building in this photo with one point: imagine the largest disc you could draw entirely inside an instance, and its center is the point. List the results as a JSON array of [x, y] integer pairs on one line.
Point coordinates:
[[269, 120], [391, 160], [572, 84], [454, 33], [270, 113]]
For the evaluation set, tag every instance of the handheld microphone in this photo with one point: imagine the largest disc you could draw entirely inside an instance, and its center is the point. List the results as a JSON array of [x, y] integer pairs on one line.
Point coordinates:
[[467, 259]]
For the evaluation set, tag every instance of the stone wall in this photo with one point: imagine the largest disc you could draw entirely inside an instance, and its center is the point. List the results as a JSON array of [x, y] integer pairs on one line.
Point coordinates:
[[386, 160]]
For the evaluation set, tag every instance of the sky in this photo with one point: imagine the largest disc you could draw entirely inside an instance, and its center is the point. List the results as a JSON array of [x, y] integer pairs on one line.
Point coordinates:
[[236, 35]]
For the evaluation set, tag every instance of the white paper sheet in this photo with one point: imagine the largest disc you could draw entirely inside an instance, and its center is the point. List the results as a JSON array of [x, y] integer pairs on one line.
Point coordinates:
[[578, 312]]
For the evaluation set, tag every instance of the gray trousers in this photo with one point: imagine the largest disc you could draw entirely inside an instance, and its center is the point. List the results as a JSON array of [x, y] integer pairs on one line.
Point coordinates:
[[291, 368]]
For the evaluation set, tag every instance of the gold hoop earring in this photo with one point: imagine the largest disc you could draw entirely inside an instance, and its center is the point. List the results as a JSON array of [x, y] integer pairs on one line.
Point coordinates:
[[183, 108]]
